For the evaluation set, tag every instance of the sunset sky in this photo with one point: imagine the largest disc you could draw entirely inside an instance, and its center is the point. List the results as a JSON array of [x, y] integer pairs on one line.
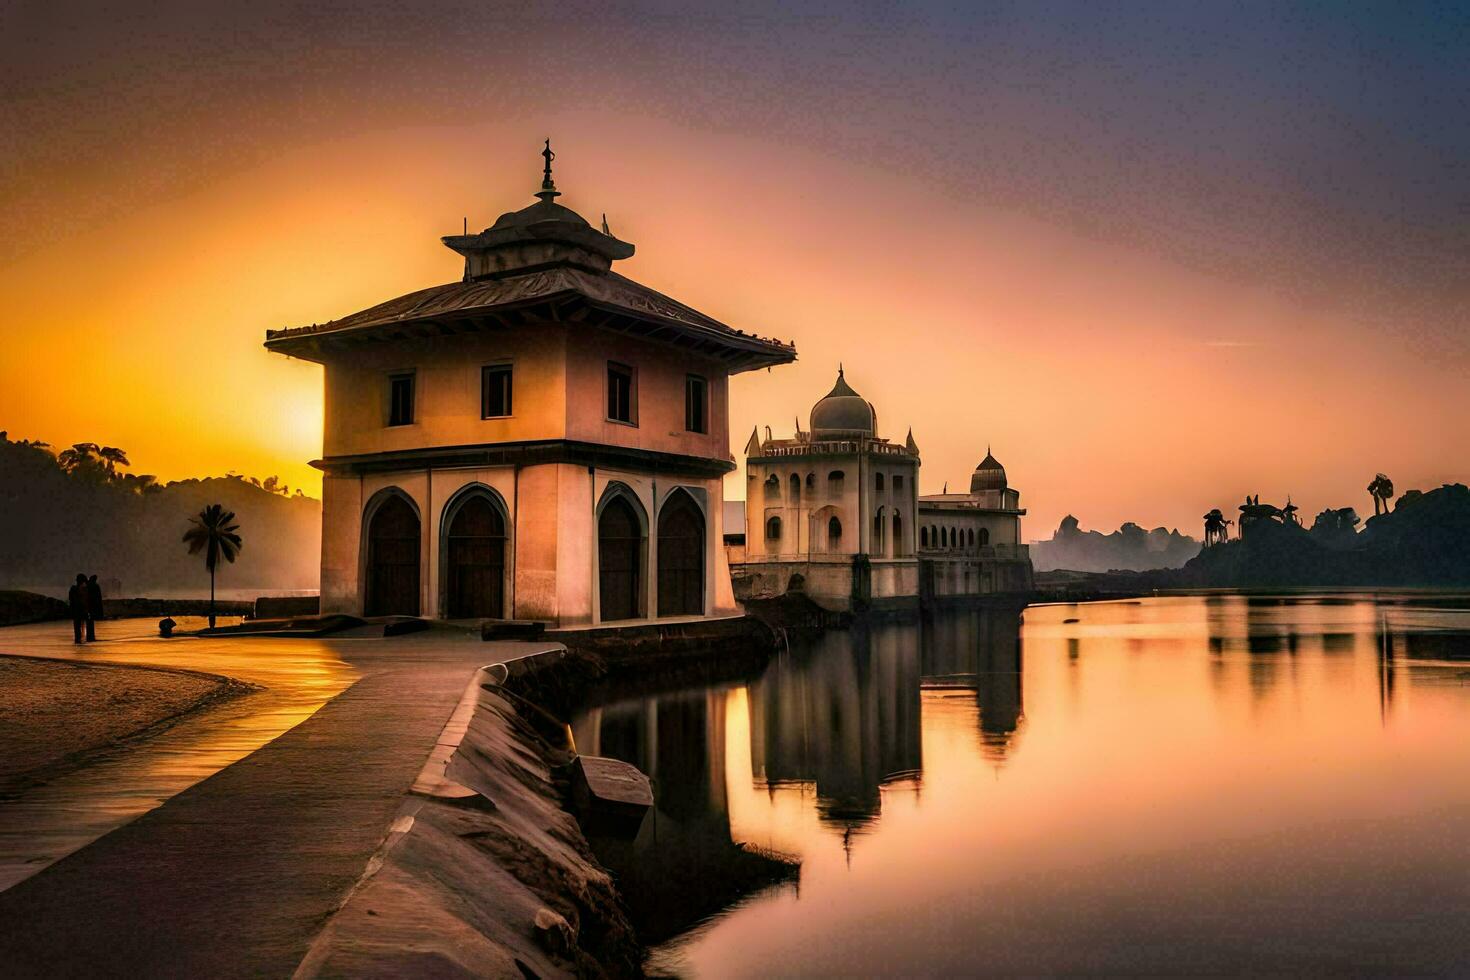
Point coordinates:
[[1158, 256]]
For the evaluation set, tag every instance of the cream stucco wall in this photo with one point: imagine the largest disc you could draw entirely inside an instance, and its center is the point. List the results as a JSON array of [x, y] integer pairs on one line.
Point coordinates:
[[804, 516], [1004, 529], [660, 374], [559, 379], [446, 391], [551, 525]]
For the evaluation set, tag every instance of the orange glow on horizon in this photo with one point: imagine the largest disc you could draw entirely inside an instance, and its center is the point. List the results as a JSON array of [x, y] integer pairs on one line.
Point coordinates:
[[1112, 384]]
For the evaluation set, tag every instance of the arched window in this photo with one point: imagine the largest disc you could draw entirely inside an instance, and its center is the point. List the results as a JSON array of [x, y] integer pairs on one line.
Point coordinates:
[[834, 534], [811, 482], [876, 546], [984, 537], [897, 482], [835, 481], [897, 535], [878, 482], [944, 537], [954, 538], [970, 537], [795, 490], [923, 535], [773, 487], [773, 529]]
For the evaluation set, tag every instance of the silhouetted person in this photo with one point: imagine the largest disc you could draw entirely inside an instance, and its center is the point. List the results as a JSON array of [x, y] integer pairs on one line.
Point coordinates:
[[76, 599], [94, 607]]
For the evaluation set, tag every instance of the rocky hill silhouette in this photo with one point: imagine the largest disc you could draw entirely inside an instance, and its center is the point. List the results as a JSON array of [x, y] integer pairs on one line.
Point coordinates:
[[77, 510], [1129, 548]]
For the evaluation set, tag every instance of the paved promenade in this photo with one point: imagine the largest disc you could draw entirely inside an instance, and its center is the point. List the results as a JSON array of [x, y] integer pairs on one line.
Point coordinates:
[[235, 875]]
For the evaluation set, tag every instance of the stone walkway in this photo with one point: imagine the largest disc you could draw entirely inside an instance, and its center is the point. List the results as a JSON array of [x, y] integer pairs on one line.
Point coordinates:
[[235, 875]]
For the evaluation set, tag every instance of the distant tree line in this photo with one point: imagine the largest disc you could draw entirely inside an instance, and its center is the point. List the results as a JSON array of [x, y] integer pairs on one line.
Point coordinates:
[[80, 510], [94, 463]]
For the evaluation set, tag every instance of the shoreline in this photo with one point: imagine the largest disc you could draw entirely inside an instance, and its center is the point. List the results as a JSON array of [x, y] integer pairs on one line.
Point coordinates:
[[224, 690]]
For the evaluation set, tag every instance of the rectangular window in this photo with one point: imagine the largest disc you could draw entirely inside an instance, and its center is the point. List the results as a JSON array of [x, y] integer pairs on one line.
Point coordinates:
[[696, 404], [400, 399], [897, 482], [622, 394], [495, 391]]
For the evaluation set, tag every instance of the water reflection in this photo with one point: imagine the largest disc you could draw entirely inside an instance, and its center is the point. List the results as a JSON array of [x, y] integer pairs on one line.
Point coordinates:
[[840, 713], [678, 739], [980, 650], [836, 717], [1143, 774]]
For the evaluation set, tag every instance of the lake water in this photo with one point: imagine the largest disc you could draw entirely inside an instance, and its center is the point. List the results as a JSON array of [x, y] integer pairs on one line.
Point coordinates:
[[1214, 783]]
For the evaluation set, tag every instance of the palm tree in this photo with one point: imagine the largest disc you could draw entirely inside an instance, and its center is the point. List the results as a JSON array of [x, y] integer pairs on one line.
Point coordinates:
[[78, 456], [113, 457], [214, 534]]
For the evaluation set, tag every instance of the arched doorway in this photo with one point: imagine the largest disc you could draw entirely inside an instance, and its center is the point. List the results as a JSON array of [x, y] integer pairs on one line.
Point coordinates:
[[474, 560], [393, 559], [619, 560], [680, 557]]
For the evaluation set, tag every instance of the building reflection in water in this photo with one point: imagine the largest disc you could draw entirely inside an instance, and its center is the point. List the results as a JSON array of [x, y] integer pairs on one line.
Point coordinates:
[[830, 723], [685, 864], [677, 739], [980, 650], [840, 712]]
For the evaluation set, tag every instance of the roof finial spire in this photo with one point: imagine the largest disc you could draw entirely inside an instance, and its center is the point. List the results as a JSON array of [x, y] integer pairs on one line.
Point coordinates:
[[839, 369], [548, 191]]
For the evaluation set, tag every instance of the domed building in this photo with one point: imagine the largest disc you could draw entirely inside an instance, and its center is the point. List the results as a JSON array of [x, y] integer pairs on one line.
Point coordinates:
[[971, 542], [543, 439], [830, 511]]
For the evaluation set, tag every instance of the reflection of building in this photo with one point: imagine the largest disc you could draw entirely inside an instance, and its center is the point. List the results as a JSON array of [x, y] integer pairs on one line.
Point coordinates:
[[970, 543], [678, 740], [841, 713], [979, 650], [544, 439], [834, 506], [684, 866]]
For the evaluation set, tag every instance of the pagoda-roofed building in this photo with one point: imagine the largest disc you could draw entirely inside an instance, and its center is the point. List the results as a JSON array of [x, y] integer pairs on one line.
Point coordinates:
[[831, 511], [544, 439], [970, 543]]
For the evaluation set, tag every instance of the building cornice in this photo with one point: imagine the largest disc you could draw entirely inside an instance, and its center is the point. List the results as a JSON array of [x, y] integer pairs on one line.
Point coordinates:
[[786, 450], [961, 506], [525, 453]]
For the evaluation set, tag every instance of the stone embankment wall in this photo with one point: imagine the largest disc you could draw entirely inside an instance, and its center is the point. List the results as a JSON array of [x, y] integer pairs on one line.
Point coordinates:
[[483, 872]]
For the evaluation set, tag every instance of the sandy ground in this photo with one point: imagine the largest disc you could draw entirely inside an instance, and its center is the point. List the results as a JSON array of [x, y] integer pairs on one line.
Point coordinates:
[[54, 715]]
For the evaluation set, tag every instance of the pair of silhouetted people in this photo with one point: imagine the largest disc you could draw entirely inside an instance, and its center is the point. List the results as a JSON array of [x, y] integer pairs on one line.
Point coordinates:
[[84, 599]]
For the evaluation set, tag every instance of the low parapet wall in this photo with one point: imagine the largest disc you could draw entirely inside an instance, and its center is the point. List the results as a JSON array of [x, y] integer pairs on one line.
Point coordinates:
[[483, 873]]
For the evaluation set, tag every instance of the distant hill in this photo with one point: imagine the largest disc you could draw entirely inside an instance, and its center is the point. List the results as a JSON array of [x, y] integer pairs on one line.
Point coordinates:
[[1129, 548], [78, 511]]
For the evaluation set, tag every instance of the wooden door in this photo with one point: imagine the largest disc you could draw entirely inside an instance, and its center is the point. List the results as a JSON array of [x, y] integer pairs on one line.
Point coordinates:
[[619, 559], [475, 561], [393, 560], [680, 557]]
